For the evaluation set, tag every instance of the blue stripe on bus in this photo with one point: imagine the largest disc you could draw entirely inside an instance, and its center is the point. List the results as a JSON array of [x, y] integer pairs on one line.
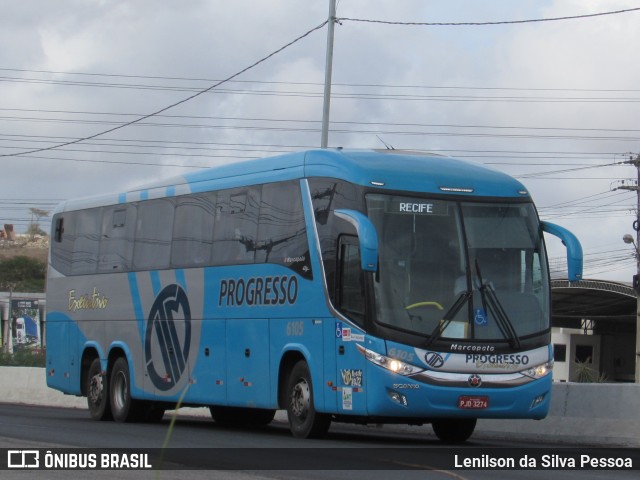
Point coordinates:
[[137, 303], [156, 284]]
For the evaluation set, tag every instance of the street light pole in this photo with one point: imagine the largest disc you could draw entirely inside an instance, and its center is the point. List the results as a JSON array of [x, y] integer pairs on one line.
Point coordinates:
[[324, 141]]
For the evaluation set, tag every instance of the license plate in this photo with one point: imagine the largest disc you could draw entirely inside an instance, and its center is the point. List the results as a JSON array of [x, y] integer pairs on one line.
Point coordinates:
[[473, 403]]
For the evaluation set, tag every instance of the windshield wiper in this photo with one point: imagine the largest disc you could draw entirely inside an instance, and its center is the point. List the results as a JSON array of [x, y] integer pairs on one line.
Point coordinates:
[[492, 305], [448, 317]]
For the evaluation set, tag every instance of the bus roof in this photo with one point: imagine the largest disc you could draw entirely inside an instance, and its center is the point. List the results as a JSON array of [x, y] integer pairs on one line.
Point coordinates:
[[384, 169]]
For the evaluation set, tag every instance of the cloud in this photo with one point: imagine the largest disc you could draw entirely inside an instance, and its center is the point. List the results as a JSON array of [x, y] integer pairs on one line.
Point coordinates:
[[431, 88]]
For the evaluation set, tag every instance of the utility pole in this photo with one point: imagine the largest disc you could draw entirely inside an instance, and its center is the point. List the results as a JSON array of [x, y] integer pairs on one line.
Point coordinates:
[[324, 141], [628, 239]]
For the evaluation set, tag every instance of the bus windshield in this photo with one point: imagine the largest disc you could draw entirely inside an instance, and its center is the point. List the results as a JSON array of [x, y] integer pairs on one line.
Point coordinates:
[[459, 270]]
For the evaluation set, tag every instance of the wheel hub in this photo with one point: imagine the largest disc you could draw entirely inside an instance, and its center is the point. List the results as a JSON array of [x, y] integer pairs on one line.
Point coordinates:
[[300, 399], [120, 391], [95, 388]]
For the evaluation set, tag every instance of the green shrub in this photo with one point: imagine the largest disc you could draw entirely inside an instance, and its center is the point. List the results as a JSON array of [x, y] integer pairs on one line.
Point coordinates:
[[24, 357]]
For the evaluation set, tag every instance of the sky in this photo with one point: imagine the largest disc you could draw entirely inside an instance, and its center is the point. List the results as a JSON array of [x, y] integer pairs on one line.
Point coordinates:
[[552, 102]]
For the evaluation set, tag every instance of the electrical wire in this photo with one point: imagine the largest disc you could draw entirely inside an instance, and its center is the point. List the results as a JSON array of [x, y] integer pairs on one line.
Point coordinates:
[[338, 84], [175, 104], [482, 24]]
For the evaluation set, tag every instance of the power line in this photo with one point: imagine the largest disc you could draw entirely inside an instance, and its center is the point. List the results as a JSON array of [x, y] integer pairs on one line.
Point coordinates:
[[342, 122], [481, 24], [581, 201], [274, 82], [140, 119], [363, 96], [567, 170]]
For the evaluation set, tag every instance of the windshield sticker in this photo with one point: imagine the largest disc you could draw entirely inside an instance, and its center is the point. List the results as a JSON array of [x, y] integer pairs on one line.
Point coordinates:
[[480, 317]]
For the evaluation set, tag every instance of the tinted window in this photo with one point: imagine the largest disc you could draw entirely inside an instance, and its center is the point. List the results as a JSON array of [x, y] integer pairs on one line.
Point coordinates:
[[261, 224], [154, 228], [350, 296], [116, 244], [86, 242], [327, 195], [236, 226], [193, 230], [282, 236], [62, 247]]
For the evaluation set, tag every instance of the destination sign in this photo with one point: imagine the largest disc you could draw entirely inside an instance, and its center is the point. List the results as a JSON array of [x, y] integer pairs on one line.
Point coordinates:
[[414, 206]]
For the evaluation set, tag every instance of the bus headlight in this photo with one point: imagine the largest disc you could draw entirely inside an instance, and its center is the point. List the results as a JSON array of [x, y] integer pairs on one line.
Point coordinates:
[[539, 371], [391, 364]]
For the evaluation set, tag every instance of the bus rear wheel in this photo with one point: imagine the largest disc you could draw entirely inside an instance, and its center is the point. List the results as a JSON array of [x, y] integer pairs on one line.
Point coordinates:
[[96, 387], [123, 407], [304, 420], [454, 430]]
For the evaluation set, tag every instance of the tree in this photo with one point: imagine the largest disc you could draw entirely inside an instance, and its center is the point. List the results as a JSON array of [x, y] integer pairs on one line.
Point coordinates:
[[34, 226]]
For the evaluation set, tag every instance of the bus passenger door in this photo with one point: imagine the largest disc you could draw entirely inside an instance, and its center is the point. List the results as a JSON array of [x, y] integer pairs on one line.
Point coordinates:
[[350, 363]]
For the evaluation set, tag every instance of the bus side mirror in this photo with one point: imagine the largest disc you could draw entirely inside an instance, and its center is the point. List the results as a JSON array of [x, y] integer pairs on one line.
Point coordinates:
[[367, 236], [574, 249]]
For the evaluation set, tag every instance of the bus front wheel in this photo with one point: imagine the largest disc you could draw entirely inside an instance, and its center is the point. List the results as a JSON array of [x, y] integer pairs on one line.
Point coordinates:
[[304, 420], [454, 430], [97, 392]]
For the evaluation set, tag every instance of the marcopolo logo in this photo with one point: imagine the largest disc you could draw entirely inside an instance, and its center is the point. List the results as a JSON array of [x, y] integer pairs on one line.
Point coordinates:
[[168, 337]]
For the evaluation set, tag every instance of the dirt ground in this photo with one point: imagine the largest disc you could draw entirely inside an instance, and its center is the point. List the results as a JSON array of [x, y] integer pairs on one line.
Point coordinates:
[[38, 249]]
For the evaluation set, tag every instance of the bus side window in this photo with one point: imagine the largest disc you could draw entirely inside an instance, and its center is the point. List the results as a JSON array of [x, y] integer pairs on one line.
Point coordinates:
[[154, 229], [59, 229], [193, 230], [350, 285], [62, 247], [116, 241], [236, 226], [86, 243]]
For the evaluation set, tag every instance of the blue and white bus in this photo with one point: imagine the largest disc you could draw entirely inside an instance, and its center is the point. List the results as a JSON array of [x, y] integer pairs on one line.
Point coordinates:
[[347, 286]]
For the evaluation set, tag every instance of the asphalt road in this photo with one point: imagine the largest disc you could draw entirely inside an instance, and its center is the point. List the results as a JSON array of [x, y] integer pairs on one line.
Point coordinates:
[[198, 448]]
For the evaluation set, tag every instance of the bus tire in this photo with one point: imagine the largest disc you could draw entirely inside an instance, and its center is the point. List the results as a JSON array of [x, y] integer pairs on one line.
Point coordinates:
[[454, 430], [97, 389], [123, 407], [304, 420], [239, 416]]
